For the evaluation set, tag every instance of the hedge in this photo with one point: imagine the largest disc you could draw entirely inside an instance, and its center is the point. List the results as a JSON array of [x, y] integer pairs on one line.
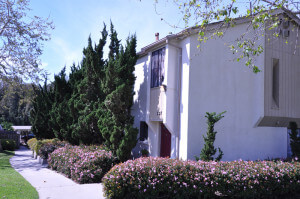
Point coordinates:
[[168, 178], [83, 164], [8, 144]]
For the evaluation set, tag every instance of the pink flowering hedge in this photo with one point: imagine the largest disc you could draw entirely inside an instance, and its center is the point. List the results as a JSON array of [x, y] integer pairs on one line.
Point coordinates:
[[83, 164], [169, 178]]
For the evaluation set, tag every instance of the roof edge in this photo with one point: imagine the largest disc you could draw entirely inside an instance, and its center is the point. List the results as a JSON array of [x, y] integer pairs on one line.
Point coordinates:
[[195, 29]]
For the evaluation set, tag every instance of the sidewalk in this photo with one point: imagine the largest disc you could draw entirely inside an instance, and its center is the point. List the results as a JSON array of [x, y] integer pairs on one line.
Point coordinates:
[[48, 183]]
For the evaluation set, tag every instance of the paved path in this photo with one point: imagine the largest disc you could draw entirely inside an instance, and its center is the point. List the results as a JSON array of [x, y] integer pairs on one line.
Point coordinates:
[[48, 183]]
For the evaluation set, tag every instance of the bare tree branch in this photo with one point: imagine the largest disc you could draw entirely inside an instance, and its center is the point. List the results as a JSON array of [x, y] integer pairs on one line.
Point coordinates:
[[21, 39]]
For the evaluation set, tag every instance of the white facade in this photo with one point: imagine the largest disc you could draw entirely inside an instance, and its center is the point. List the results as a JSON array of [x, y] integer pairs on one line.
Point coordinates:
[[209, 80]]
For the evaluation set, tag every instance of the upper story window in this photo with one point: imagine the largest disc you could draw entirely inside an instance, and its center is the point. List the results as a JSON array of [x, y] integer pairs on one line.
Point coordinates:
[[157, 67]]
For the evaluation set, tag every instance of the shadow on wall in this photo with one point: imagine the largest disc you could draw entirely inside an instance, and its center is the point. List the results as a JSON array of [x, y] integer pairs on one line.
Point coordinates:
[[139, 106]]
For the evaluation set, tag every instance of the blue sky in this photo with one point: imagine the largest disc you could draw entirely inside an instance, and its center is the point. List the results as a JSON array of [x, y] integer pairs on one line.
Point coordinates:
[[75, 20]]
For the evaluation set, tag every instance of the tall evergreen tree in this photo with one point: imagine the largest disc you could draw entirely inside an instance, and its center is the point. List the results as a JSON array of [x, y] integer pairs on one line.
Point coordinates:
[[116, 122], [60, 117], [40, 114], [88, 95]]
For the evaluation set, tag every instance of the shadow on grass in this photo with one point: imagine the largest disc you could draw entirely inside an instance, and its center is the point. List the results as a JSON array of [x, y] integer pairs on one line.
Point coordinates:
[[8, 152]]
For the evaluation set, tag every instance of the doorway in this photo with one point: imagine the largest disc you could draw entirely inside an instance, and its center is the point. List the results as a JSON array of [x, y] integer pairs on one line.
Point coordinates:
[[165, 143]]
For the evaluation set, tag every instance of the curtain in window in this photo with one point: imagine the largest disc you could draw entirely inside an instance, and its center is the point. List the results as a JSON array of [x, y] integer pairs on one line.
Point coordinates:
[[157, 67]]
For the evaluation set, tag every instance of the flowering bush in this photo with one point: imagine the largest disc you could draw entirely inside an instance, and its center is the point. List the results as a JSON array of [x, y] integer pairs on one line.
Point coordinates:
[[83, 164], [169, 178]]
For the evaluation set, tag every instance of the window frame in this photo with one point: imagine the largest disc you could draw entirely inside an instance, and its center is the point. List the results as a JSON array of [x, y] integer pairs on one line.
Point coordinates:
[[158, 64]]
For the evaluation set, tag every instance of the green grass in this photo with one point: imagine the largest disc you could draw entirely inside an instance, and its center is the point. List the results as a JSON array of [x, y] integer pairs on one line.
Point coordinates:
[[12, 184]]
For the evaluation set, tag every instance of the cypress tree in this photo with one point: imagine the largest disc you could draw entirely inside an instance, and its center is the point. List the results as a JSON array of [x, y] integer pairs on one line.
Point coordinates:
[[116, 122], [88, 95], [40, 114], [209, 150], [60, 117]]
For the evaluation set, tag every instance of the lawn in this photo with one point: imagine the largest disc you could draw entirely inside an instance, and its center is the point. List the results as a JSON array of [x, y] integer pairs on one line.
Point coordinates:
[[12, 184]]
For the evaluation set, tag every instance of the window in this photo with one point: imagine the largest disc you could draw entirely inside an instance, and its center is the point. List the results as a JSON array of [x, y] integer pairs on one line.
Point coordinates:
[[143, 131], [157, 67], [275, 83]]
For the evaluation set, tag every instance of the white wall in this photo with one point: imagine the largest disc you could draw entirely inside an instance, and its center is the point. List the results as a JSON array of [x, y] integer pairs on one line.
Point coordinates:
[[184, 102], [217, 84], [140, 108], [140, 99]]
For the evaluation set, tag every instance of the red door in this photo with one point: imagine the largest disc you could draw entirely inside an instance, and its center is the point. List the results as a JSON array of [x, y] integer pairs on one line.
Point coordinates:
[[165, 144]]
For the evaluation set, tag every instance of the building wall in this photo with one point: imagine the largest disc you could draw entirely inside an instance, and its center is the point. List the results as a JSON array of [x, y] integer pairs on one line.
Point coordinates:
[[211, 81], [287, 51], [172, 95], [140, 99], [141, 107], [217, 83], [185, 96]]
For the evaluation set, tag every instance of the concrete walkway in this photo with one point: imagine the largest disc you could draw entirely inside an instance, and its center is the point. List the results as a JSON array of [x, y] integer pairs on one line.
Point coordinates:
[[48, 183]]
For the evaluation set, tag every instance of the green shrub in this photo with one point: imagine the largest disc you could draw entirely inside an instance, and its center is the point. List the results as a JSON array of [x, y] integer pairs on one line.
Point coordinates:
[[8, 144], [31, 143], [49, 147], [294, 139], [208, 150], [40, 143], [170, 178], [36, 145]]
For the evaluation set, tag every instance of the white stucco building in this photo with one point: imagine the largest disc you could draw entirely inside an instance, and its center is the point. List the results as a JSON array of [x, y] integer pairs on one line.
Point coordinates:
[[177, 83]]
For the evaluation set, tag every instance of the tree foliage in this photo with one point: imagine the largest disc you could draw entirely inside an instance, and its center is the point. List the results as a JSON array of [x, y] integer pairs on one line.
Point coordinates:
[[208, 151], [93, 105], [294, 139], [15, 101], [115, 121], [40, 113], [259, 13], [88, 95], [21, 39], [60, 118], [6, 125]]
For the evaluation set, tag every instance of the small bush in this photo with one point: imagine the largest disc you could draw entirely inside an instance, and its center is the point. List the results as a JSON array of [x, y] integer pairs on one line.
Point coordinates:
[[8, 144], [31, 143], [83, 164], [48, 148], [40, 143], [169, 178]]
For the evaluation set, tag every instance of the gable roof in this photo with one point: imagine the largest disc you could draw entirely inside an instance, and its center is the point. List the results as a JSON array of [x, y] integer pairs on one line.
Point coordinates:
[[192, 30]]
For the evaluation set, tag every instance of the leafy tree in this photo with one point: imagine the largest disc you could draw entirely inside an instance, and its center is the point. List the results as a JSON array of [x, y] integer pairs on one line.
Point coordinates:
[[209, 150], [40, 114], [116, 122], [6, 125], [21, 39], [200, 13], [294, 139], [15, 101], [88, 95]]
